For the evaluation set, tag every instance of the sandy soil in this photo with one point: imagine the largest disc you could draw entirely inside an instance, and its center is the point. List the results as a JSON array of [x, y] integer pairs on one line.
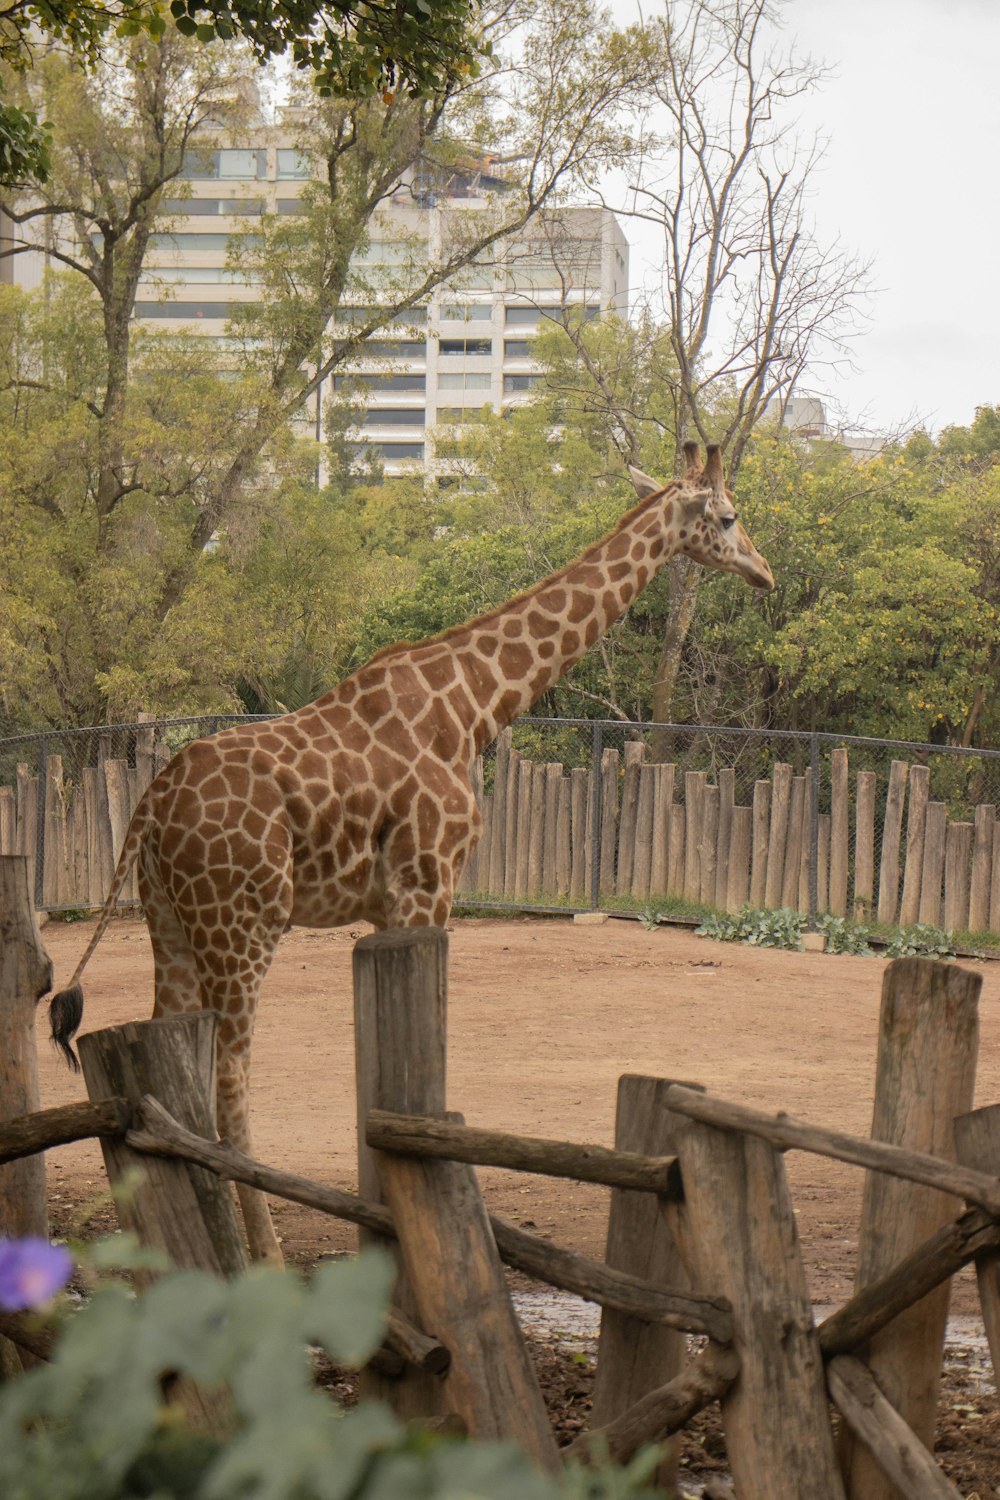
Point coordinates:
[[543, 1017]]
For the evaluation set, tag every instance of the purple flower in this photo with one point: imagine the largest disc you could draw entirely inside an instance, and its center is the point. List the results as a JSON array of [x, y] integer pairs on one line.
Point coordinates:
[[31, 1271]]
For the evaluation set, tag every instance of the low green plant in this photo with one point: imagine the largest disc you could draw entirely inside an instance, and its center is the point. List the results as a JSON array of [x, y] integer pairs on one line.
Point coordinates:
[[843, 936], [93, 1423], [922, 940], [758, 928]]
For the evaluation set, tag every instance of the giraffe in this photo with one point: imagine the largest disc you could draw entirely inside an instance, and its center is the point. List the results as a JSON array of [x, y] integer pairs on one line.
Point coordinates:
[[360, 805]]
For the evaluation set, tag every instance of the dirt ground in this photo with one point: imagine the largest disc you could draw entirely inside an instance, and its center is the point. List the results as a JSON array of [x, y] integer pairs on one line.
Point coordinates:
[[544, 1015]]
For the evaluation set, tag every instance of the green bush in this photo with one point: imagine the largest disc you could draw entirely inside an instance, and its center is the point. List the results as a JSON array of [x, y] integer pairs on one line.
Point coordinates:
[[93, 1424]]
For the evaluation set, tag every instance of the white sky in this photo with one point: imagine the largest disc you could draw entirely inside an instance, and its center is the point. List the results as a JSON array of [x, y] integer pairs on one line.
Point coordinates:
[[911, 179]]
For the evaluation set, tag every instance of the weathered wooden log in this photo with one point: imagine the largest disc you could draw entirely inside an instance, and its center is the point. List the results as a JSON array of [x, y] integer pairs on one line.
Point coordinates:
[[709, 843], [760, 840], [840, 844], [741, 1239], [634, 751], [635, 1357], [415, 1346], [678, 833], [892, 828], [458, 1284], [564, 847], [977, 1144], [916, 820], [422, 1135], [579, 811], [694, 789], [643, 860], [522, 846], [400, 1034], [727, 801], [495, 877], [925, 1071], [25, 973], [982, 867], [957, 852], [864, 847], [823, 864], [875, 1422], [536, 835], [932, 870], [738, 882], [787, 1133], [995, 881], [8, 821], [908, 1281], [778, 834], [510, 826], [793, 843], [43, 1129], [610, 760], [805, 849], [661, 1411], [28, 1333], [595, 1282], [663, 801], [550, 859]]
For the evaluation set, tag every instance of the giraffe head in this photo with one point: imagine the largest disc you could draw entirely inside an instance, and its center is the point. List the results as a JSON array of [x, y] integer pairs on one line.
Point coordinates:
[[710, 531]]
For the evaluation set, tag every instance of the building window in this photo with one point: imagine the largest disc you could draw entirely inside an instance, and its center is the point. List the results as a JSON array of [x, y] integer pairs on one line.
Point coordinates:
[[517, 348], [239, 166], [392, 349], [466, 312], [467, 381], [390, 253], [292, 164], [466, 346], [207, 207], [461, 414], [200, 275], [394, 416], [412, 317], [289, 205], [526, 317], [514, 384], [184, 309], [412, 380], [391, 452], [175, 243]]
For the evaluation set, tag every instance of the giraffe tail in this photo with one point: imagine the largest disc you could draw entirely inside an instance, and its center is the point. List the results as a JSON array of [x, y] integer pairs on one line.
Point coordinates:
[[66, 1006]]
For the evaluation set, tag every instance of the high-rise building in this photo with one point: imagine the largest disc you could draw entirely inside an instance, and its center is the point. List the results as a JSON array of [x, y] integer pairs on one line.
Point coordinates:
[[470, 344]]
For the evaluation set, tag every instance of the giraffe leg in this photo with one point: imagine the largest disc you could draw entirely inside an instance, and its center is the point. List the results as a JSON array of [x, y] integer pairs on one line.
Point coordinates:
[[186, 980]]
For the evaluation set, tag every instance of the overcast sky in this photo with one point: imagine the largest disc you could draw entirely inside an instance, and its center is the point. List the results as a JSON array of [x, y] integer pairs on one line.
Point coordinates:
[[911, 178]]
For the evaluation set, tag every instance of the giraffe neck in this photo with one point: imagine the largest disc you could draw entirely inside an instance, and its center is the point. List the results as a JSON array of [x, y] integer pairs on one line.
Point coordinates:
[[509, 657]]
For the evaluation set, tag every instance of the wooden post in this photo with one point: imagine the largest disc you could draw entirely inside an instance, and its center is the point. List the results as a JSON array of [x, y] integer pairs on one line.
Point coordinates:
[[494, 882], [400, 1035], [805, 851], [982, 868], [928, 1037], [564, 847], [709, 843], [793, 843], [932, 869], [663, 801], [727, 801], [609, 818], [957, 848], [579, 807], [178, 1208], [116, 777], [550, 861], [510, 824], [892, 828], [25, 972], [106, 852], [876, 1423], [644, 833], [54, 887], [916, 822], [864, 847], [839, 832], [778, 834], [678, 828], [739, 1234], [977, 1144], [760, 841], [536, 832], [634, 752], [633, 1356], [995, 882], [694, 801], [525, 776], [8, 821], [823, 863], [738, 883]]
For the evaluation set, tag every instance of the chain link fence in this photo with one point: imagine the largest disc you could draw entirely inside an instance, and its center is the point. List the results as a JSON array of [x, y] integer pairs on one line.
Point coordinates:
[[671, 821]]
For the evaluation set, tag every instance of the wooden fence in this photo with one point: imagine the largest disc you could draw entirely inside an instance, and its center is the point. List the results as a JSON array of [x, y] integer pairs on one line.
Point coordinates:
[[701, 1231], [633, 830]]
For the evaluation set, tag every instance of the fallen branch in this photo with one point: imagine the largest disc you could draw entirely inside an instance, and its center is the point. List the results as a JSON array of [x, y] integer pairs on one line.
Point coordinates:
[[28, 1134]]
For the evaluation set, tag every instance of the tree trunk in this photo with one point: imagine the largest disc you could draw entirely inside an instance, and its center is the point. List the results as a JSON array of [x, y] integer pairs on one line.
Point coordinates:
[[685, 577]]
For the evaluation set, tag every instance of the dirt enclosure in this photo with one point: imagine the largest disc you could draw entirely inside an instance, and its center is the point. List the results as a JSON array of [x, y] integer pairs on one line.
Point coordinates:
[[543, 1017]]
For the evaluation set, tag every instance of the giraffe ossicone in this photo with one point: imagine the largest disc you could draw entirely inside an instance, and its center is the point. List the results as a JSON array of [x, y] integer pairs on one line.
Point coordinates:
[[360, 805]]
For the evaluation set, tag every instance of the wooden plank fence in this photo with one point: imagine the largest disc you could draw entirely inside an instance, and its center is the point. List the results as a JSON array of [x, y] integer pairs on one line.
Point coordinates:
[[663, 832]]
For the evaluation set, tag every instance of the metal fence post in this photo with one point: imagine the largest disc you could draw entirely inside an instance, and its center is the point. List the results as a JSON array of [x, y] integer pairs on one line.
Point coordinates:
[[40, 821], [596, 811], [814, 832]]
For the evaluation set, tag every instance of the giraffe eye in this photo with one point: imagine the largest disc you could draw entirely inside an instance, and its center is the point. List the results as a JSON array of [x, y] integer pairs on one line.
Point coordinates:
[[728, 521]]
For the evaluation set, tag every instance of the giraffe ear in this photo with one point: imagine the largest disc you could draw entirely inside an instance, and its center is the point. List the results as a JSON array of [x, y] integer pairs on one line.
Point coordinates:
[[644, 486], [714, 472], [692, 461]]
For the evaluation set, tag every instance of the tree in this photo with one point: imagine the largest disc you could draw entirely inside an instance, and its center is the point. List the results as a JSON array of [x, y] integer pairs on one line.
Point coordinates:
[[120, 136], [751, 297], [348, 48]]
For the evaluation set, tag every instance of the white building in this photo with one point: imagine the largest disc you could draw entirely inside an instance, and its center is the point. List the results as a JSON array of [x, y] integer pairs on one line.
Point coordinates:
[[469, 346]]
